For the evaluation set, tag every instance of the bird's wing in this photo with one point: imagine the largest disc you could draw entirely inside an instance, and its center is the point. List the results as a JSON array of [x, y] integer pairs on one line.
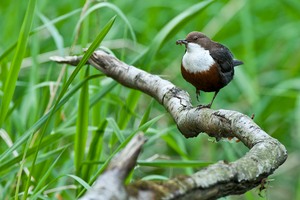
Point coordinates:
[[223, 57]]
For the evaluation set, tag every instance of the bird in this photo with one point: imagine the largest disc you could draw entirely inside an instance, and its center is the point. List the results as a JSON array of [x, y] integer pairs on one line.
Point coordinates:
[[206, 64]]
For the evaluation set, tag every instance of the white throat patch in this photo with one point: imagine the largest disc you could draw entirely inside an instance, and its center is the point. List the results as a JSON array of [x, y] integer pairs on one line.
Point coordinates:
[[196, 59]]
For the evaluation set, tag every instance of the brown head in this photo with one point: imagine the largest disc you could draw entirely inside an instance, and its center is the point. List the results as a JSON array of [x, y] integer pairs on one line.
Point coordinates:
[[196, 37]]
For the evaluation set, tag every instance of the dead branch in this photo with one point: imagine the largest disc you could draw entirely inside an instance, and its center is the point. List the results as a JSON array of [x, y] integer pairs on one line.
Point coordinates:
[[266, 154], [110, 185]]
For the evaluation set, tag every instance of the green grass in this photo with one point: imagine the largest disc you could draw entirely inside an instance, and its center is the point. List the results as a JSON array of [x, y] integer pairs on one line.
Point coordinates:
[[12, 73], [54, 143]]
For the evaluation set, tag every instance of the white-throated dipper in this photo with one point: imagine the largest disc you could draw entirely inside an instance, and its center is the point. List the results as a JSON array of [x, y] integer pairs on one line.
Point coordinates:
[[207, 65]]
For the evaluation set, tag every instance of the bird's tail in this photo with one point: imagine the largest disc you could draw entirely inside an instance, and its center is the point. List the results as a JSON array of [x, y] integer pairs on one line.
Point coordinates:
[[237, 62]]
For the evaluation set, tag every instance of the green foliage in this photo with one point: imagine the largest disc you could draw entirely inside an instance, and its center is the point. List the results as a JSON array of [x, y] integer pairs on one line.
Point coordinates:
[[12, 74], [60, 130]]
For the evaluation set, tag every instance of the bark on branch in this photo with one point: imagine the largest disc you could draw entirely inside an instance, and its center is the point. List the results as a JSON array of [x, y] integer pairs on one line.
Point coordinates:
[[266, 154]]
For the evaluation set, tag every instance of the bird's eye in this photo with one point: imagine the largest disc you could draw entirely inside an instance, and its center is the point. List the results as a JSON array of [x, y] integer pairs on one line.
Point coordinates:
[[195, 38]]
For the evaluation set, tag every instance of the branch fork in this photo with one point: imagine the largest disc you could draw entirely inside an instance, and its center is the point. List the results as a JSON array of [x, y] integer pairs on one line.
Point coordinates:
[[266, 154]]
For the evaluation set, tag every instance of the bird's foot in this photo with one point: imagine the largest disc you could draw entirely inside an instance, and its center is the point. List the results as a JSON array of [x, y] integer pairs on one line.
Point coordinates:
[[197, 95], [204, 106]]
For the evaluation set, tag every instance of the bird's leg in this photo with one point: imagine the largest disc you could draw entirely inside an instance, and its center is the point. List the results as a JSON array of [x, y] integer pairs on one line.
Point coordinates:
[[197, 94], [209, 105]]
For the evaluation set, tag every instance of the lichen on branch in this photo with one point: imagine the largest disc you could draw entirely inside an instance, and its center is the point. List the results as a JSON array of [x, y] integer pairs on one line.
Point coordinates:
[[266, 154]]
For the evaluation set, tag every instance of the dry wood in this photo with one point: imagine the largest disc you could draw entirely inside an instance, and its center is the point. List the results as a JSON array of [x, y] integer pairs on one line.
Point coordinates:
[[266, 154]]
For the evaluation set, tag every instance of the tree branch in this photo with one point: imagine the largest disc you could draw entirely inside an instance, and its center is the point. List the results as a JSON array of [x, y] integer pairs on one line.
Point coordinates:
[[110, 185], [265, 155]]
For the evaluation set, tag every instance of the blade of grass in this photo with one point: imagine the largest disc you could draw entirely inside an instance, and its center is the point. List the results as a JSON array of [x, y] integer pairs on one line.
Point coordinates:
[[41, 181], [170, 29], [127, 110], [157, 134], [297, 120], [114, 8], [38, 124], [80, 180], [180, 149], [76, 178], [10, 82], [247, 82], [86, 56], [228, 11], [58, 39], [95, 150], [58, 19], [82, 125], [94, 100], [113, 124], [173, 163], [146, 113], [50, 140], [143, 128], [43, 119]]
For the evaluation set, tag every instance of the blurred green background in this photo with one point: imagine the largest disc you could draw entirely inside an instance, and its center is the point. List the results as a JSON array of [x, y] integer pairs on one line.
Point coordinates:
[[93, 124]]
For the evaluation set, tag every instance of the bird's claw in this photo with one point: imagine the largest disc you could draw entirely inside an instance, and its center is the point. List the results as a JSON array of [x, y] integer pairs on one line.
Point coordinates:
[[204, 106]]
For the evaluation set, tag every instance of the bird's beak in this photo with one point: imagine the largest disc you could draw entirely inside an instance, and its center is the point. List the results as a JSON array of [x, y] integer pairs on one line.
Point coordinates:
[[182, 42]]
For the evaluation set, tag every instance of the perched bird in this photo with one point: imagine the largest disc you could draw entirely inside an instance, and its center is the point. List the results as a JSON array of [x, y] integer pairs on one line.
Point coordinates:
[[207, 65]]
